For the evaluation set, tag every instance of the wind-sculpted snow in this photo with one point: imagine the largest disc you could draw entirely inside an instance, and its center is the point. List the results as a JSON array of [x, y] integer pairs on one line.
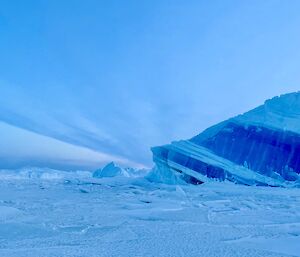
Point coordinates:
[[261, 147]]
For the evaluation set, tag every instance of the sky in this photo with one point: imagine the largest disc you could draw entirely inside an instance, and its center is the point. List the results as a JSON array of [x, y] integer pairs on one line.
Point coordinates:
[[95, 81]]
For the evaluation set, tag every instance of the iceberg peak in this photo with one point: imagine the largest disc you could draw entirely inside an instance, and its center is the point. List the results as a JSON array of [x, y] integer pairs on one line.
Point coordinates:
[[110, 170], [114, 170]]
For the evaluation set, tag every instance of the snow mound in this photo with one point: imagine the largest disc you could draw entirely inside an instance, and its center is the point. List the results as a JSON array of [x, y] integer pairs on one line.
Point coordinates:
[[9, 213]]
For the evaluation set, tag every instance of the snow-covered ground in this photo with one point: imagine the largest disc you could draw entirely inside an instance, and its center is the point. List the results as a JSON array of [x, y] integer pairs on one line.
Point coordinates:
[[54, 213]]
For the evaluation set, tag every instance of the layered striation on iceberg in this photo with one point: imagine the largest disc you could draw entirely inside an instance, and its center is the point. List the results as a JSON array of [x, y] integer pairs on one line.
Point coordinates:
[[260, 147]]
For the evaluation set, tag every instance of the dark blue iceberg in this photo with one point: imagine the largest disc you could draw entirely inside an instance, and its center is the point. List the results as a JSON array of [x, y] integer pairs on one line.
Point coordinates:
[[260, 147]]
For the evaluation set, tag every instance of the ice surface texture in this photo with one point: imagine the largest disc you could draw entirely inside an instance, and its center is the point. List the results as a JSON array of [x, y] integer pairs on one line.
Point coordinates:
[[260, 147], [80, 216]]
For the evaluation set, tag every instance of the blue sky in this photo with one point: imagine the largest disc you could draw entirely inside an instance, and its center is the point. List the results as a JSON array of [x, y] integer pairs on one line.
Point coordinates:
[[117, 77]]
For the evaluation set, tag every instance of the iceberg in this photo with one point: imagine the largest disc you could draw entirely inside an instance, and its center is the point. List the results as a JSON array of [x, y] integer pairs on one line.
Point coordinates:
[[260, 147], [110, 170], [114, 170]]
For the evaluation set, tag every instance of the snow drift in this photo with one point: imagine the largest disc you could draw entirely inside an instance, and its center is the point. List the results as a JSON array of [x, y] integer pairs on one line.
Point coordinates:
[[260, 147]]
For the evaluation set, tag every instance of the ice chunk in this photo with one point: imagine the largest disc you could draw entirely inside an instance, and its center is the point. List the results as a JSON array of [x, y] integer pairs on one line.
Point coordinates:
[[161, 174]]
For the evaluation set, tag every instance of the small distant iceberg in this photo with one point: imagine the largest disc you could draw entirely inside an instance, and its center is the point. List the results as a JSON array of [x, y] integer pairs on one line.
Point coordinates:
[[114, 170]]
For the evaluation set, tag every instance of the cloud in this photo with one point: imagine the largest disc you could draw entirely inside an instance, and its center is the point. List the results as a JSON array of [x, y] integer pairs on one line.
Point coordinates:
[[19, 147]]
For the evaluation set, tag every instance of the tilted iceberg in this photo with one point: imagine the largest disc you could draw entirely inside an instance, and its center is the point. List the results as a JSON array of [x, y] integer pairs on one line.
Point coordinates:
[[260, 147]]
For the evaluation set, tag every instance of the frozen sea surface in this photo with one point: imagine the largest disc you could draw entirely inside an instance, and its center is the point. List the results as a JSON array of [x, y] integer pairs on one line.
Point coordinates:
[[72, 214]]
